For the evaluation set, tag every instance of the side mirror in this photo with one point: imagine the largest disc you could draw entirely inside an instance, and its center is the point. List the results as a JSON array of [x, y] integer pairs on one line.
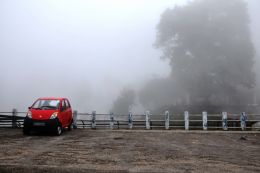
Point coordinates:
[[29, 107]]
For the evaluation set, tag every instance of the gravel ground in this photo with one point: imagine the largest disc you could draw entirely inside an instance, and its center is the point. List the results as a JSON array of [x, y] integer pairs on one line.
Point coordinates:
[[85, 150]]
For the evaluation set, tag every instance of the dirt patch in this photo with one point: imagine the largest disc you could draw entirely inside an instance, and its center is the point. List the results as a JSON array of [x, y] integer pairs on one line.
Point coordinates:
[[130, 151]]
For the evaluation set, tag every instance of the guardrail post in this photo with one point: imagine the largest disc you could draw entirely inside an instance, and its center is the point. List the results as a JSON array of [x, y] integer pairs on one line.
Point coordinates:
[[147, 120], [167, 120], [205, 120], [75, 118], [224, 121], [243, 119], [186, 119], [93, 120], [111, 120], [130, 120], [14, 114]]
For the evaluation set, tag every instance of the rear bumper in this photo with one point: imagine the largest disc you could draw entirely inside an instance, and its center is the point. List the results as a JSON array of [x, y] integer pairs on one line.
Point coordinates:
[[46, 125]]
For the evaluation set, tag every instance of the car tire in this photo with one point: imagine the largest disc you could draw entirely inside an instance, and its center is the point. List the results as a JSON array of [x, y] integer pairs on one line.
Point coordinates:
[[58, 131], [26, 131], [70, 127]]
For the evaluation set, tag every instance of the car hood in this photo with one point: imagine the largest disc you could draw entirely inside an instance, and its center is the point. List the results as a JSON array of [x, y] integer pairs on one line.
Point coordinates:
[[42, 114]]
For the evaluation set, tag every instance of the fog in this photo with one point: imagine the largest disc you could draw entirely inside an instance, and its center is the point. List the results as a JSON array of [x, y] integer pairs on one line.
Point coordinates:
[[87, 51], [254, 6]]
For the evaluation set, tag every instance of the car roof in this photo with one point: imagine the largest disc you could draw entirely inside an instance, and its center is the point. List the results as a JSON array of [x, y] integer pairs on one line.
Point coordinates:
[[51, 98]]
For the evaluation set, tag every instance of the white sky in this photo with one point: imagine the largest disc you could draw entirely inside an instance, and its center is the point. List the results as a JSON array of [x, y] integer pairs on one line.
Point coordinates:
[[84, 50]]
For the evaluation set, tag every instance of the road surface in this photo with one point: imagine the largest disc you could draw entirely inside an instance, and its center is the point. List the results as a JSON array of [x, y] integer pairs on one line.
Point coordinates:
[[85, 150]]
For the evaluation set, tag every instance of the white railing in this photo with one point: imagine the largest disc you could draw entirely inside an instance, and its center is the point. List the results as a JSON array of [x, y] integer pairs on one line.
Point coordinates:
[[168, 120]]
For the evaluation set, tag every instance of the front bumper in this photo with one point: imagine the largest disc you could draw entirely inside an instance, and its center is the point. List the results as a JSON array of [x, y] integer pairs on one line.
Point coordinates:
[[46, 125]]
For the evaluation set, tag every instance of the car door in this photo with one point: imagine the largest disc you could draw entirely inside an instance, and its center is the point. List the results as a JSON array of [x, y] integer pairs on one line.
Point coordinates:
[[68, 111], [66, 114], [63, 113]]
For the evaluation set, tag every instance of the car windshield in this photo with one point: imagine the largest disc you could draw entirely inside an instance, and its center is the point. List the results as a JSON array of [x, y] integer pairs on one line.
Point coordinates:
[[46, 104]]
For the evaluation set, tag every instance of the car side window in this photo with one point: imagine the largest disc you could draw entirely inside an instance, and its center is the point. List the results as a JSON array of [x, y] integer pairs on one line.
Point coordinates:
[[67, 104], [63, 107]]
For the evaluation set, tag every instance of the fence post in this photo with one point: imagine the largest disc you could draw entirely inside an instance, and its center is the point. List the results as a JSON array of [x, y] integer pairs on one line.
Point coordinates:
[[186, 118], [205, 120], [130, 120], [224, 121], [93, 120], [111, 120], [167, 120], [14, 114], [147, 120], [75, 118], [243, 119]]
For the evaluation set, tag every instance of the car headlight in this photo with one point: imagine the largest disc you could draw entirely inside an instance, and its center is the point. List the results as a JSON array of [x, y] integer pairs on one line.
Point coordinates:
[[29, 114], [54, 115]]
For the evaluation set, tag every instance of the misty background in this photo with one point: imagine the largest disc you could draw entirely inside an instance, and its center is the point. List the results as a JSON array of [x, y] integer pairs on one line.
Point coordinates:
[[91, 52]]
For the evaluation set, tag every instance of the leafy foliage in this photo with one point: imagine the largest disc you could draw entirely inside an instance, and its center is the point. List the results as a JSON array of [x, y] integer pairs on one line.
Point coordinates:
[[209, 47], [123, 103]]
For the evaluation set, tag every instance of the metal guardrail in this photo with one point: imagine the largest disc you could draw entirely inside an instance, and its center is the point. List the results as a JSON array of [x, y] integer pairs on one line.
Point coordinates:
[[12, 119], [167, 121]]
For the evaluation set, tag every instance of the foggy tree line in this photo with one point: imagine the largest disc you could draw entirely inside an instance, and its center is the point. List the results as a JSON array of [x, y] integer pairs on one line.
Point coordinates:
[[211, 55]]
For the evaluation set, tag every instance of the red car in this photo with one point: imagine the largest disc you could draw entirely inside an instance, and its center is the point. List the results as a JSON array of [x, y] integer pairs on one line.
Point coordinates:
[[49, 114]]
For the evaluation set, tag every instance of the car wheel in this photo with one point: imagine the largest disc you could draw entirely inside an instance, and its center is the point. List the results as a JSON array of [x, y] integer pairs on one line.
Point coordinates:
[[70, 127], [58, 130], [26, 131]]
